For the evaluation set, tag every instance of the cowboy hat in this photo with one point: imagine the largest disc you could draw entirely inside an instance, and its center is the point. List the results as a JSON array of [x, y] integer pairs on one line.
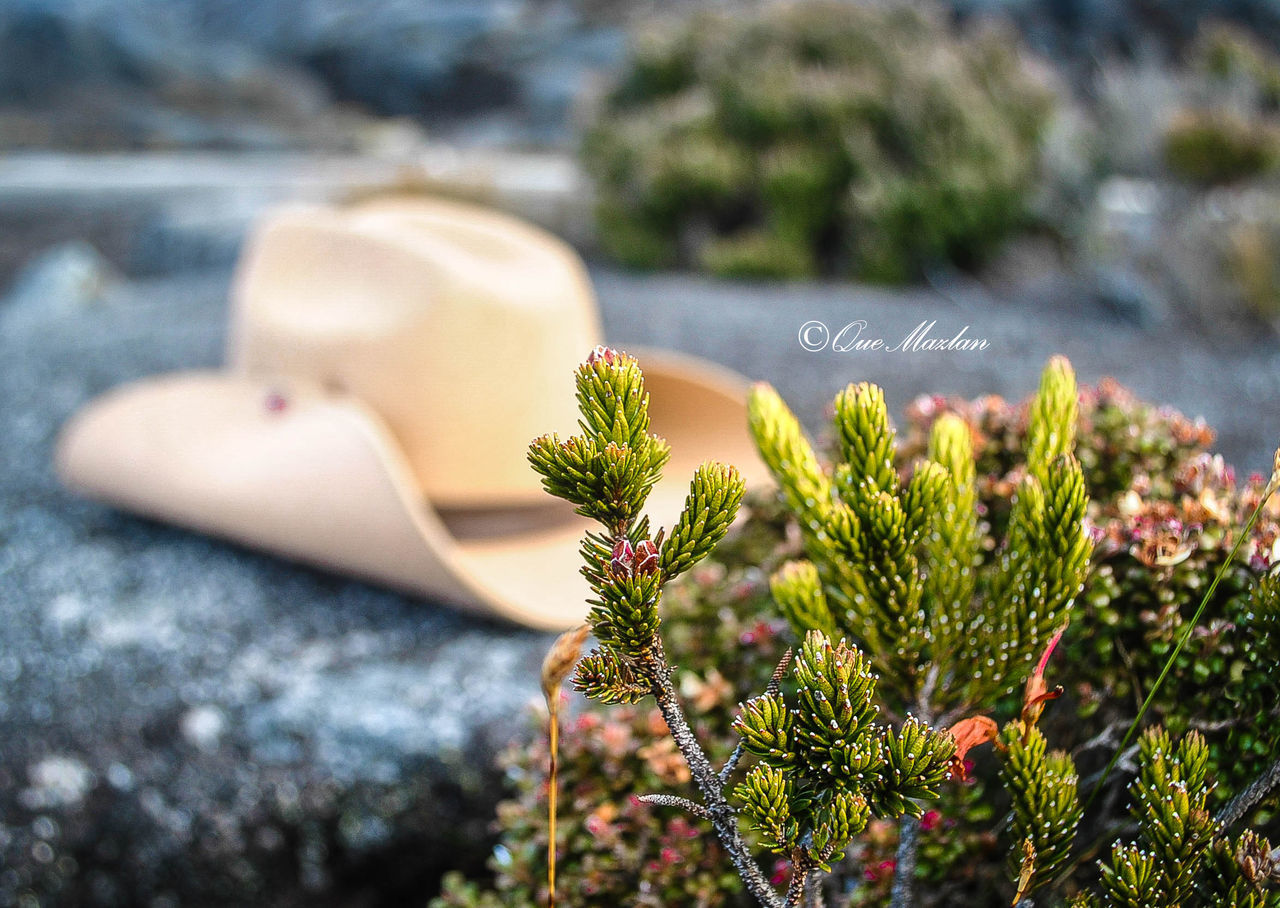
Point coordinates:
[[388, 365]]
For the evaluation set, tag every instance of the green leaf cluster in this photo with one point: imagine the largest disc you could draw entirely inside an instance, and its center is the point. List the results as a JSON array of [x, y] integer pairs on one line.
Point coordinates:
[[894, 562], [826, 766], [1042, 786], [1241, 873], [607, 472], [1170, 796], [714, 496]]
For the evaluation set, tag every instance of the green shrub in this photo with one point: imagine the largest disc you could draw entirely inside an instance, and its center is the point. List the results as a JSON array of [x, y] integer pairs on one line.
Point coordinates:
[[1235, 135], [1164, 513], [1212, 147], [815, 137], [759, 255], [1234, 55]]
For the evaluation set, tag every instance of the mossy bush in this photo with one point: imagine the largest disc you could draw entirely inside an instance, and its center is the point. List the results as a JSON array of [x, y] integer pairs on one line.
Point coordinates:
[[1164, 513], [1234, 133], [815, 138], [1211, 147]]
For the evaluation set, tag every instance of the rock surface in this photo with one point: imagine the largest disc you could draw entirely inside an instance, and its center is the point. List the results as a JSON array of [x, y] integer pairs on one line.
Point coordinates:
[[269, 75], [188, 723]]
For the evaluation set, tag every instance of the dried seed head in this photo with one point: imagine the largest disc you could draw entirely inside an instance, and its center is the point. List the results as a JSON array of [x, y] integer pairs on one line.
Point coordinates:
[[1027, 870], [560, 660]]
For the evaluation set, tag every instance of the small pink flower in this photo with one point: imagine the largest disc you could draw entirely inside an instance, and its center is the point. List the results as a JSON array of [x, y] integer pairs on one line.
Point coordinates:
[[930, 820], [780, 873]]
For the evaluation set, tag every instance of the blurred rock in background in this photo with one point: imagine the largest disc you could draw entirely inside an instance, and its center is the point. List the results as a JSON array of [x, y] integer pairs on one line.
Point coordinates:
[[271, 74]]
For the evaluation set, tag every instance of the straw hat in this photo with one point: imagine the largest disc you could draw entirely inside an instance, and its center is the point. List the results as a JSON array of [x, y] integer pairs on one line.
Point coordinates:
[[388, 365]]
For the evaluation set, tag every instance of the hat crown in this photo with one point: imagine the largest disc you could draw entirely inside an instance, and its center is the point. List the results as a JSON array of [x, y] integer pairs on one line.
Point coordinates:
[[457, 325]]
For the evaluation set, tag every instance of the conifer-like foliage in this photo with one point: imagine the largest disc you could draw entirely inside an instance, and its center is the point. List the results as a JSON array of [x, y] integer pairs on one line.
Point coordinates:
[[820, 752], [905, 622], [893, 562], [1042, 787], [1185, 856], [824, 765]]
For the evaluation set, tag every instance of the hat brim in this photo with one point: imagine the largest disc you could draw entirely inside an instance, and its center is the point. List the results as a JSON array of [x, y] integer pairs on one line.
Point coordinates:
[[286, 468]]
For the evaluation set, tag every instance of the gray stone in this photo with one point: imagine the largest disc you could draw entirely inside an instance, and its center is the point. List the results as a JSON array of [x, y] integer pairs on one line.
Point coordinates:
[[1128, 296], [59, 283], [201, 234], [188, 723], [1232, 380]]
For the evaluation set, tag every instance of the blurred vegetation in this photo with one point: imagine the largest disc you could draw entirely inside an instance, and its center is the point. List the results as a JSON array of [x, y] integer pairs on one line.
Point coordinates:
[[1212, 146], [816, 138], [1253, 263], [1235, 133], [1165, 511]]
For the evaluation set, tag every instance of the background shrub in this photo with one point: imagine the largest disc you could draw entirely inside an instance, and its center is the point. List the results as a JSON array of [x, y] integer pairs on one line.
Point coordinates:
[[815, 137], [1210, 147], [1233, 134]]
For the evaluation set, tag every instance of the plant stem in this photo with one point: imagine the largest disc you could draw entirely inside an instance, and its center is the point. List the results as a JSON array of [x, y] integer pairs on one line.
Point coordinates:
[[1247, 799], [903, 894], [664, 800], [554, 720], [775, 682], [795, 891], [816, 898], [723, 817]]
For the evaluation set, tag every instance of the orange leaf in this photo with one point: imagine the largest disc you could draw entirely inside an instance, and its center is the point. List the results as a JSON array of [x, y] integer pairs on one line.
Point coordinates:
[[968, 734]]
